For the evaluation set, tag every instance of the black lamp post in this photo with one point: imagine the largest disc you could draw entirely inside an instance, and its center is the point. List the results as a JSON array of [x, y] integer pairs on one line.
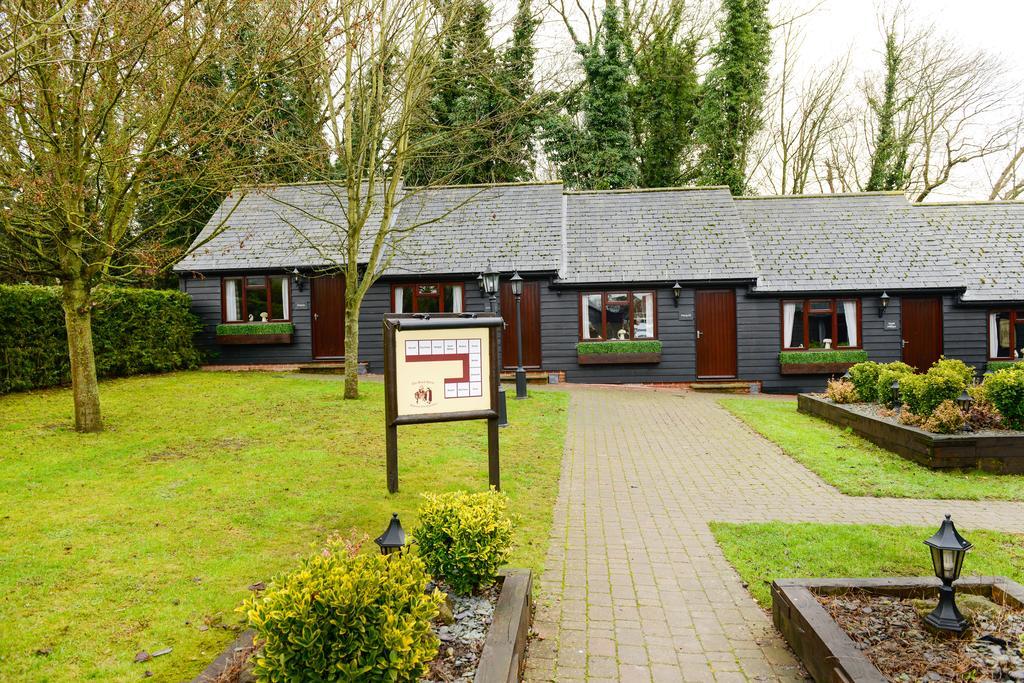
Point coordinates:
[[517, 291], [948, 550], [895, 386], [490, 284], [677, 291], [883, 303], [393, 538]]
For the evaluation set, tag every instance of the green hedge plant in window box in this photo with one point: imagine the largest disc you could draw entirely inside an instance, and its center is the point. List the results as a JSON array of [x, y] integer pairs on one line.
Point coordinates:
[[831, 362], [255, 333], [994, 365], [618, 352]]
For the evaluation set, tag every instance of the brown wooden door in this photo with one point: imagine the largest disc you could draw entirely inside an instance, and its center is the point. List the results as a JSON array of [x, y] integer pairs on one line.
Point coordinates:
[[715, 316], [531, 326], [922, 331], [328, 313]]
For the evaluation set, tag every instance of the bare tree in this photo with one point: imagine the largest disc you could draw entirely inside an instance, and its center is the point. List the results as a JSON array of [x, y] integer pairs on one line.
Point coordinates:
[[1009, 183], [93, 95]]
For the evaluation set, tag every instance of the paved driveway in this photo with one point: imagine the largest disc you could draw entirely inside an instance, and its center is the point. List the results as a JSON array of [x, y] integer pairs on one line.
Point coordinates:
[[636, 588]]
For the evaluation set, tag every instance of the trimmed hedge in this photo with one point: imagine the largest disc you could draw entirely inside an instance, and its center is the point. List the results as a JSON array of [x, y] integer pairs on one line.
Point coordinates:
[[994, 365], [134, 331], [625, 346], [831, 356], [255, 328]]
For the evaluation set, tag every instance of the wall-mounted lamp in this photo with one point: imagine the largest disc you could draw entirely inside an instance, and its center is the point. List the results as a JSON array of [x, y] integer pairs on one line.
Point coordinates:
[[677, 291], [883, 303], [299, 280]]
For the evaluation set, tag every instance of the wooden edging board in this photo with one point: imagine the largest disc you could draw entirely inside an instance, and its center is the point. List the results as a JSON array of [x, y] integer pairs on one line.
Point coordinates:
[[997, 454], [823, 647], [502, 659]]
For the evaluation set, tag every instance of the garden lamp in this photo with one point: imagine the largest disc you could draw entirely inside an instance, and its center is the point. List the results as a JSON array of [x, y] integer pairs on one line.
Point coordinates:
[[393, 538], [846, 376], [490, 282], [517, 290], [677, 291], [948, 549], [883, 303], [964, 400], [895, 386]]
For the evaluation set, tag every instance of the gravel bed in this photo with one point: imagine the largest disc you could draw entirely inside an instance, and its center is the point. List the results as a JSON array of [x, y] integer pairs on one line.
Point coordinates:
[[463, 639], [892, 634]]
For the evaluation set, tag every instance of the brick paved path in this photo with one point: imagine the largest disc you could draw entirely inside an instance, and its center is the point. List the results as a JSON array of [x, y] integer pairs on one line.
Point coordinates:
[[636, 588]]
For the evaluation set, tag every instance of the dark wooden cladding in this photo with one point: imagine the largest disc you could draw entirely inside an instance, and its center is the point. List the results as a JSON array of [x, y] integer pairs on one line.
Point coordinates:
[[531, 326], [715, 315], [247, 339], [922, 331], [328, 313], [814, 368]]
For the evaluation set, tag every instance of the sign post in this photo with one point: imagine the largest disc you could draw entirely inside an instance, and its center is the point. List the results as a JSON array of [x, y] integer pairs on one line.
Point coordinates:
[[440, 367]]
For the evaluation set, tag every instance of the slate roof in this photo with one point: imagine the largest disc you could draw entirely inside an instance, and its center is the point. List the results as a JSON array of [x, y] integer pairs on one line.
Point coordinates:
[[655, 235], [986, 241], [275, 227], [864, 241], [465, 229]]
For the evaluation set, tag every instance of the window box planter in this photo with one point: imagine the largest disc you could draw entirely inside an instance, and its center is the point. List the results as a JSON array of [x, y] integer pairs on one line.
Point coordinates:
[[618, 352], [834, 362], [255, 333], [994, 365]]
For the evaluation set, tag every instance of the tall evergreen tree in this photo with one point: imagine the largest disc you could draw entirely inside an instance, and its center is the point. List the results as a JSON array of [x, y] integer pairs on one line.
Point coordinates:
[[485, 95], [664, 103], [733, 93], [891, 147], [591, 141]]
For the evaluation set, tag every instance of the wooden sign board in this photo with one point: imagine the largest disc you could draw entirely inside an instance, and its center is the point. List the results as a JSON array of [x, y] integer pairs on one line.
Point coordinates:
[[440, 367]]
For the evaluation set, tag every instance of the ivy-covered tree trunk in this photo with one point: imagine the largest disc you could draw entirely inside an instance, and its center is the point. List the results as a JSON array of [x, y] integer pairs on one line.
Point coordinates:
[[889, 157], [85, 389]]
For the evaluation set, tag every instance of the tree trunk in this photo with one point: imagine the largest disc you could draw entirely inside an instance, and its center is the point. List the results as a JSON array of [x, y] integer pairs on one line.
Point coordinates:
[[351, 346], [84, 387]]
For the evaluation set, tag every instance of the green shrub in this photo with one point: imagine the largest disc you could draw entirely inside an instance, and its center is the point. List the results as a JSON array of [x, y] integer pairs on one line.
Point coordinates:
[[841, 391], [1005, 390], [955, 368], [947, 418], [343, 616], [994, 365], [464, 537], [887, 374], [255, 328], [624, 346], [865, 380], [924, 393], [831, 356], [134, 331]]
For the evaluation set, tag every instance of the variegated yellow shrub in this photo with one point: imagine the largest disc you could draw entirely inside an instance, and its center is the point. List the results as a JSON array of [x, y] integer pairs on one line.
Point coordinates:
[[346, 617], [465, 537]]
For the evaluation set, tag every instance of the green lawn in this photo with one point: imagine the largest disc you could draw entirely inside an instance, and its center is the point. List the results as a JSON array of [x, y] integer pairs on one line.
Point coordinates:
[[856, 466], [148, 535], [762, 553]]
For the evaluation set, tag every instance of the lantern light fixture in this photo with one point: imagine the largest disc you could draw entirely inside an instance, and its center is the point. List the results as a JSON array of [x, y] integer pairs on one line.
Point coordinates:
[[964, 400], [846, 376], [677, 291], [895, 386], [948, 549], [883, 303], [393, 538], [517, 284]]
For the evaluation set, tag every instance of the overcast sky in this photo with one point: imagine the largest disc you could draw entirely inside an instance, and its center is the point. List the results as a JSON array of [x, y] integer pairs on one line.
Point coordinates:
[[836, 27]]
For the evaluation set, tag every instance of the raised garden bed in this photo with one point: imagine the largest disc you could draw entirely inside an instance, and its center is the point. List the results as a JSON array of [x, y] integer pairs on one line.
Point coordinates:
[[801, 611], [831, 362], [500, 660], [989, 451], [255, 333], [618, 352]]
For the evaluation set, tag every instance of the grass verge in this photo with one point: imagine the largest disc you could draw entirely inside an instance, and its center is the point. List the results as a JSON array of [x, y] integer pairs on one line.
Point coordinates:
[[856, 466], [147, 535], [764, 552]]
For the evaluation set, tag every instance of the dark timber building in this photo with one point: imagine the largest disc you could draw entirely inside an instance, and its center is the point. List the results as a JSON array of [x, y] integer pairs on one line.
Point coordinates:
[[726, 285]]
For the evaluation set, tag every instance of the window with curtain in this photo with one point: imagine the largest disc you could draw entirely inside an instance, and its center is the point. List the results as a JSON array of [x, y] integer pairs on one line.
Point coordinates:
[[428, 298], [1006, 335], [815, 323], [246, 299], [623, 314]]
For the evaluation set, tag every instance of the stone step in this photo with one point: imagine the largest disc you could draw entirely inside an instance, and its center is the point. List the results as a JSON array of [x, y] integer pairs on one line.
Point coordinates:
[[725, 387]]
